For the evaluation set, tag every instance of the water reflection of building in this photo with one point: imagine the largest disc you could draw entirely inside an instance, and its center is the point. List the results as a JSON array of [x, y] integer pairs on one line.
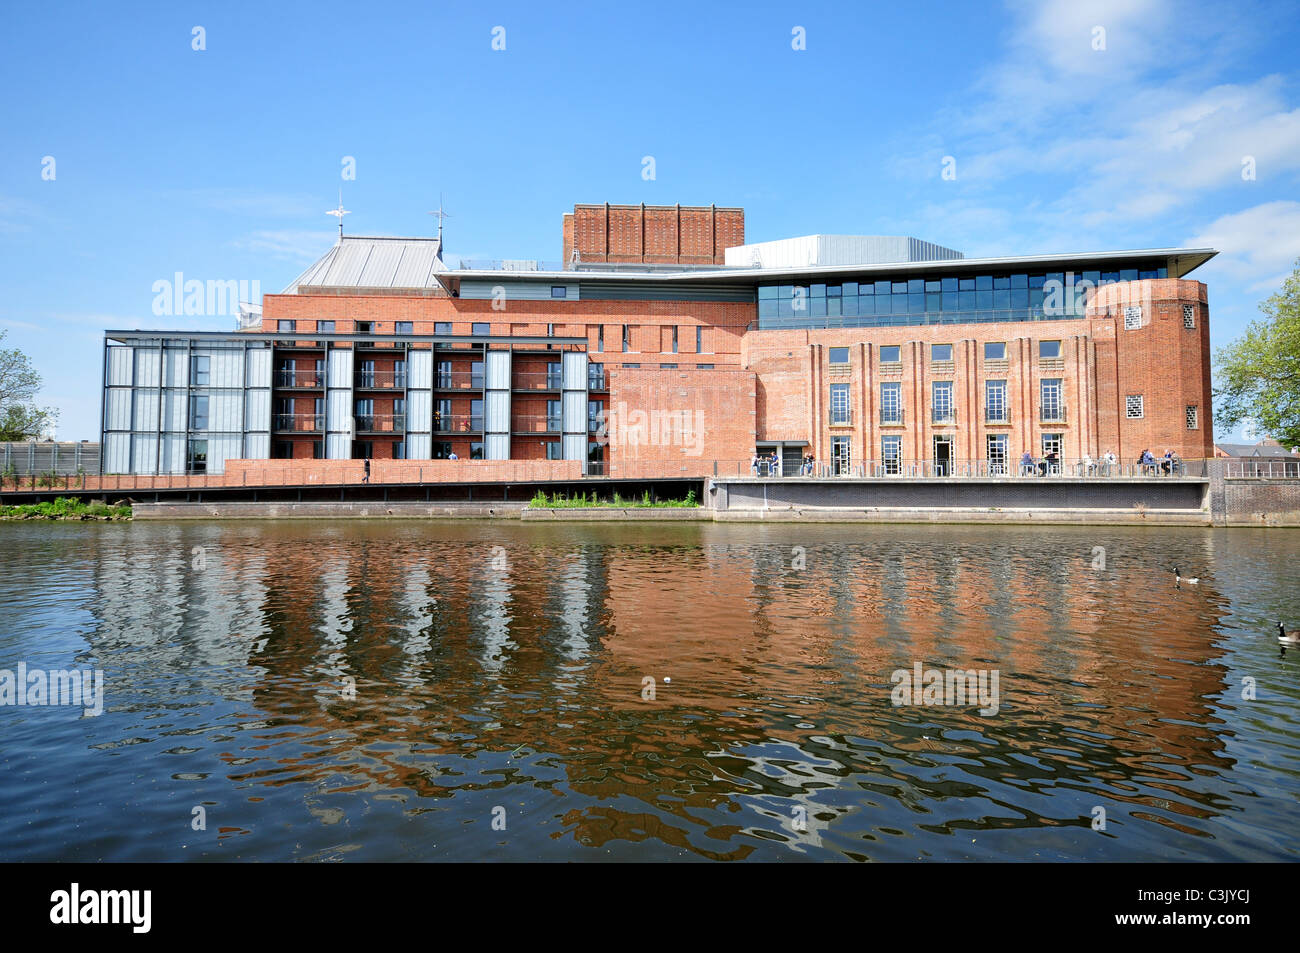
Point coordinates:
[[458, 662]]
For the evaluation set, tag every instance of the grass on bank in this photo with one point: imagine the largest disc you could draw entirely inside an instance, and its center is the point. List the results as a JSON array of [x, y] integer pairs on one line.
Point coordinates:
[[582, 501], [65, 508]]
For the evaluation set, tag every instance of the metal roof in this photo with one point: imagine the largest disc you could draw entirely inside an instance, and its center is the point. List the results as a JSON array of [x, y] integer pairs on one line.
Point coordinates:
[[1180, 261], [374, 263]]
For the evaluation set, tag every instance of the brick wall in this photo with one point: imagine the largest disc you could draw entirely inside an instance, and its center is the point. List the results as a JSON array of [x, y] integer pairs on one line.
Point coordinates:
[[653, 233], [678, 420]]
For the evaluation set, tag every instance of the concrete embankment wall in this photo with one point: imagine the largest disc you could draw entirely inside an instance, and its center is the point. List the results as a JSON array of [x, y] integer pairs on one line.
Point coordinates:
[[326, 510]]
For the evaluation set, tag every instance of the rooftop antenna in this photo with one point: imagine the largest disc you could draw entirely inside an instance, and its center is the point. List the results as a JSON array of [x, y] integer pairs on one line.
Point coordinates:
[[339, 213], [441, 215]]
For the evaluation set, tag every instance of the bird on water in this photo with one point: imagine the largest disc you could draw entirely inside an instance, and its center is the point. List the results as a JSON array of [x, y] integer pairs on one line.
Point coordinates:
[[1179, 580]]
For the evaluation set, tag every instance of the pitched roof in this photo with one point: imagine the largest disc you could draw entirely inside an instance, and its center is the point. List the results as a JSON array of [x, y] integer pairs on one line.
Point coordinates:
[[356, 262]]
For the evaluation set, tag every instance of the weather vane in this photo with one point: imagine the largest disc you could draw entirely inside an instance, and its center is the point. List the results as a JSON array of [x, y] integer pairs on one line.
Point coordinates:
[[339, 213], [441, 215]]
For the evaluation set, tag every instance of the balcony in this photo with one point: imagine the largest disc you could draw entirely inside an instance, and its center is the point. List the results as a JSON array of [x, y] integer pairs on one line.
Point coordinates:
[[996, 417], [381, 423], [539, 380], [938, 416], [458, 380], [537, 423], [299, 423], [892, 418], [1051, 415], [457, 423], [379, 380], [841, 419], [285, 377], [597, 382]]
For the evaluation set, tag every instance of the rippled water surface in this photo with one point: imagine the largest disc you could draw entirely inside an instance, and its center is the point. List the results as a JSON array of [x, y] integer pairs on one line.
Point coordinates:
[[499, 670]]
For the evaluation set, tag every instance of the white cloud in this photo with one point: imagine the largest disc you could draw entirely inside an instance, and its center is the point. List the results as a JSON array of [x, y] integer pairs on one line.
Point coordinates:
[[1258, 245], [296, 245]]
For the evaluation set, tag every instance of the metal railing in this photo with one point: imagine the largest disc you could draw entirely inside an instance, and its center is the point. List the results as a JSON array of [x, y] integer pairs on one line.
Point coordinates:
[[291, 378], [892, 418], [381, 423], [457, 423], [1261, 469], [458, 380], [996, 417], [942, 416], [300, 423], [538, 380], [980, 469], [1052, 415], [597, 382], [536, 423], [379, 380]]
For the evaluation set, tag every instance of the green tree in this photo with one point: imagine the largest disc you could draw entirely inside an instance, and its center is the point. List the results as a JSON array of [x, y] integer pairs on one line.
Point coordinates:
[[20, 418], [1259, 373]]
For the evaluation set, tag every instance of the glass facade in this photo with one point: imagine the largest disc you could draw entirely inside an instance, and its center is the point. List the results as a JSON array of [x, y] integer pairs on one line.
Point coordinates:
[[942, 299]]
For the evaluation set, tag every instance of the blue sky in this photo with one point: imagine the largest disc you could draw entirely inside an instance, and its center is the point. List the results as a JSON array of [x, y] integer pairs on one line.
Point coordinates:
[[220, 163]]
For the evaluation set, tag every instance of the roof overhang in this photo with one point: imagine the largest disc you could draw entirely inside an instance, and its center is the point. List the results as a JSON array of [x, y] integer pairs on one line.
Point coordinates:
[[1179, 262], [125, 337]]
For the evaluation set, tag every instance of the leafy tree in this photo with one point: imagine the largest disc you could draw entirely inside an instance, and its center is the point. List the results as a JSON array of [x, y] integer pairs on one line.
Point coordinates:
[[1259, 373], [20, 419]]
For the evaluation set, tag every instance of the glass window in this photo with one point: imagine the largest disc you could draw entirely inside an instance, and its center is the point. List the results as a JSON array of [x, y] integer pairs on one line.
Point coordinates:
[[948, 284], [364, 327], [286, 325], [1051, 406], [995, 350], [476, 450], [1128, 274], [442, 327], [841, 455], [668, 367], [1019, 281], [197, 461], [817, 291], [767, 292], [941, 402], [1002, 283], [201, 366], [627, 338], [891, 452], [324, 327], [404, 327], [839, 355], [984, 283], [995, 401], [996, 448], [476, 374], [941, 352], [840, 404], [481, 328], [199, 412], [595, 416], [704, 367], [889, 354], [899, 287], [1049, 349], [966, 284], [553, 450], [559, 291], [891, 402]]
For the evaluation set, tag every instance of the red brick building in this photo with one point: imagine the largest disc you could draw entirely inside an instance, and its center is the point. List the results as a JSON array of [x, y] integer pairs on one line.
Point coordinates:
[[654, 351]]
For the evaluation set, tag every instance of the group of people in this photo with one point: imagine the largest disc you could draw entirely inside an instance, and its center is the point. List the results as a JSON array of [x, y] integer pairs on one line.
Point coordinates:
[[770, 465], [1166, 465]]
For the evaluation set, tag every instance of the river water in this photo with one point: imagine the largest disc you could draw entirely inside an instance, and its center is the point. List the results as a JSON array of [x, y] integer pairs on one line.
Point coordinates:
[[418, 690]]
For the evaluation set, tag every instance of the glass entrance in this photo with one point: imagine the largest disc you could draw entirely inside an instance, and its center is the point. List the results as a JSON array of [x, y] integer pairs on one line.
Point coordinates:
[[943, 456]]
